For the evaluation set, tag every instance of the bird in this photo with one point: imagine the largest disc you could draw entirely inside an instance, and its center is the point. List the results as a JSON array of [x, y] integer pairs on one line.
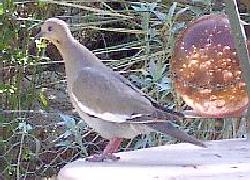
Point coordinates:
[[107, 101]]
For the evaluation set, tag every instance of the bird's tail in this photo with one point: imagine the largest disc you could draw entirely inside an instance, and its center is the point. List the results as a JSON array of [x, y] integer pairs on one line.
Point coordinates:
[[168, 128]]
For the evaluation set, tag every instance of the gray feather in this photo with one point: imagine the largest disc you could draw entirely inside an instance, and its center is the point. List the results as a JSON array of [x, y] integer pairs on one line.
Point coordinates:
[[168, 128]]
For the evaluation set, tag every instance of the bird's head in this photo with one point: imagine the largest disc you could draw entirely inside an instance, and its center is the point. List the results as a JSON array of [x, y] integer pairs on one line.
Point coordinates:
[[54, 30]]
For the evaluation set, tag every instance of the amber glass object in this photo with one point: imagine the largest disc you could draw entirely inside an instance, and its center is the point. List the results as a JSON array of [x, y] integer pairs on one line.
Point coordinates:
[[206, 71]]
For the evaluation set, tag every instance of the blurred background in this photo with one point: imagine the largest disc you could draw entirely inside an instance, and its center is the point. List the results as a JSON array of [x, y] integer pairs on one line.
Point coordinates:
[[39, 131]]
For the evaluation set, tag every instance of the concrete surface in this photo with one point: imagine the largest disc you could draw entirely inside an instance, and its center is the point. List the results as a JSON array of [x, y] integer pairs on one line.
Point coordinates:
[[223, 159]]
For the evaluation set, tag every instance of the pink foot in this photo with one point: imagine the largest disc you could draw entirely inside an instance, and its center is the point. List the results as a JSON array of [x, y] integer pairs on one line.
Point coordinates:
[[102, 157], [107, 154]]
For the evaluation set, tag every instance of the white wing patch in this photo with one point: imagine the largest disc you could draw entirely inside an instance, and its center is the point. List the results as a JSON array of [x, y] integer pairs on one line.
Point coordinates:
[[117, 118]]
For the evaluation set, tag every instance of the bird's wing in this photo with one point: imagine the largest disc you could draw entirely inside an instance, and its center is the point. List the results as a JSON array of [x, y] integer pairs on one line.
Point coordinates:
[[103, 94], [153, 101]]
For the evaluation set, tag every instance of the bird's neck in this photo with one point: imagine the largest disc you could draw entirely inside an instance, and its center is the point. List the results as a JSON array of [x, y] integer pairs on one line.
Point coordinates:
[[76, 57]]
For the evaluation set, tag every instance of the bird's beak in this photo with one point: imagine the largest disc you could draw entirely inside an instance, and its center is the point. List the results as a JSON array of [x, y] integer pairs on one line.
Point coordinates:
[[39, 35]]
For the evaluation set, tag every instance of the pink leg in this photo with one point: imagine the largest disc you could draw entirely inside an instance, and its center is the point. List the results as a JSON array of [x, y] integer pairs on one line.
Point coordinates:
[[111, 148]]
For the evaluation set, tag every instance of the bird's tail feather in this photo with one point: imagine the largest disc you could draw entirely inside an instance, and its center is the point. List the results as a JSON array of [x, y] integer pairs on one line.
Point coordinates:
[[168, 128]]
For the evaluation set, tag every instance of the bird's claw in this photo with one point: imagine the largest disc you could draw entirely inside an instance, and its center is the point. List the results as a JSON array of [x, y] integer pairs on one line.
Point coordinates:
[[102, 157]]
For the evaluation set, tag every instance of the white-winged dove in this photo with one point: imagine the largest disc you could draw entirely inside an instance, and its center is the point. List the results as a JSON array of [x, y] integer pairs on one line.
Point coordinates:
[[107, 101]]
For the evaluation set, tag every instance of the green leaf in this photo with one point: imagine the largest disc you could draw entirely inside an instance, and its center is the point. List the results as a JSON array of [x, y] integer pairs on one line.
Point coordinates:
[[182, 11], [1, 9], [24, 127], [43, 100], [152, 67], [172, 9], [205, 2]]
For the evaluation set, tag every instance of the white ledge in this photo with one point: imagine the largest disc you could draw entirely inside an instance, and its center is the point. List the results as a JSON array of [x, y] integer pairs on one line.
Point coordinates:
[[223, 159]]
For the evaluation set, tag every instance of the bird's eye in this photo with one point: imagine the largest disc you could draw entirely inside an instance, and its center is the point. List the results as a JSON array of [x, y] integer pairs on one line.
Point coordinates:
[[49, 28]]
